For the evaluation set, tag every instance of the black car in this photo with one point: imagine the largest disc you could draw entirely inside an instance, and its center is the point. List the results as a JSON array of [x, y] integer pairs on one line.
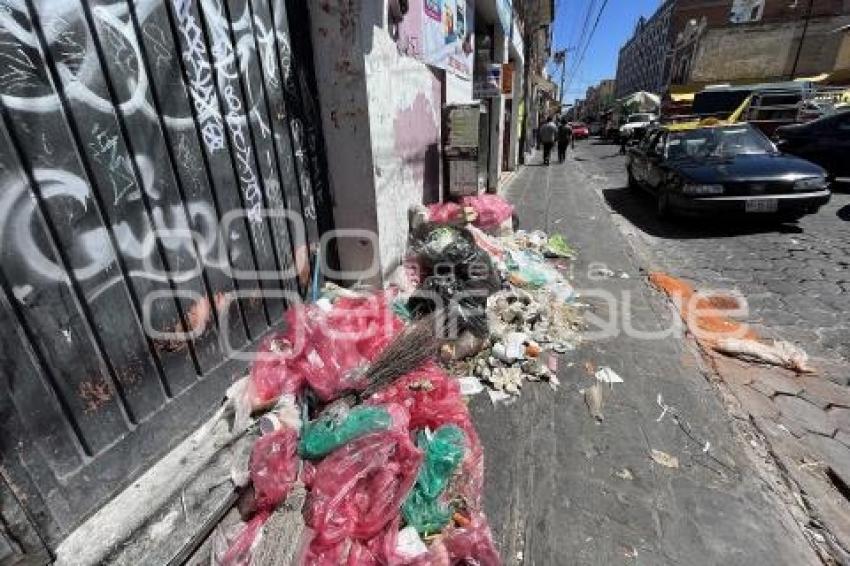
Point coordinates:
[[825, 141], [722, 170]]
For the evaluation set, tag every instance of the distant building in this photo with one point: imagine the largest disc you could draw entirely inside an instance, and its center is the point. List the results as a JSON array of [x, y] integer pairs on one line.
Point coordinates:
[[764, 41], [718, 40], [641, 63], [597, 99]]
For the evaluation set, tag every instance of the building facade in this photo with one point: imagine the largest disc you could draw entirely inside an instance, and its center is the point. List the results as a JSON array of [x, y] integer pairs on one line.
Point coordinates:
[[711, 40], [597, 99], [383, 82], [763, 41], [641, 63]]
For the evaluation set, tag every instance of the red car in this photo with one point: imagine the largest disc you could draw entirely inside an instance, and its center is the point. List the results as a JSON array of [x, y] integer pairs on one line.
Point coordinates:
[[580, 131]]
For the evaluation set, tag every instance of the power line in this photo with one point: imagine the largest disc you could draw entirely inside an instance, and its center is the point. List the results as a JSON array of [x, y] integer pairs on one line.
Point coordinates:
[[577, 46], [586, 23], [589, 40]]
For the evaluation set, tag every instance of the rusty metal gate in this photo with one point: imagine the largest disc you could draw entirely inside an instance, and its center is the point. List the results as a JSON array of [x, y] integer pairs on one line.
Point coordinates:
[[143, 147]]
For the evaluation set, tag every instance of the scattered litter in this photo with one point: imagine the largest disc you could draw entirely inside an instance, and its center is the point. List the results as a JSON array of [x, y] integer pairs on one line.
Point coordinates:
[[664, 459], [624, 275], [497, 397], [409, 544], [593, 400], [607, 375], [598, 271], [776, 352], [664, 408], [470, 385], [631, 552], [625, 474], [557, 246], [717, 332]]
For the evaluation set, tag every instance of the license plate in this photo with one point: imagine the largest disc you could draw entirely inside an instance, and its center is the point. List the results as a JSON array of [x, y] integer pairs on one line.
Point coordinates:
[[762, 205]]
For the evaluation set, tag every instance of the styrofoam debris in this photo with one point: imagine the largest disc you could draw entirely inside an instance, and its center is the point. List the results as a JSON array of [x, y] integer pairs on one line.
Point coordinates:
[[607, 375]]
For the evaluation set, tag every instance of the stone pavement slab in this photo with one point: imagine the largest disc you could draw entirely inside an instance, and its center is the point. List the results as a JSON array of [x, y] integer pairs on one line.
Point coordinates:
[[801, 416], [556, 491]]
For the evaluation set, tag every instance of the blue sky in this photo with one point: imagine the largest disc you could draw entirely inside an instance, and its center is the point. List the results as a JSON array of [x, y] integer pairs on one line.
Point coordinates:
[[615, 27]]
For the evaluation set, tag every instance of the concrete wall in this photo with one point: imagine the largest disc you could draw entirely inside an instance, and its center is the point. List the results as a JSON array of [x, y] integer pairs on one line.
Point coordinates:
[[381, 117], [404, 110], [497, 114], [767, 51]]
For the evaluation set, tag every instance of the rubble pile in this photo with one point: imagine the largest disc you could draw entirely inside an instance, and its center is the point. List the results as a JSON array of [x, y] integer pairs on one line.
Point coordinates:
[[350, 400], [523, 326]]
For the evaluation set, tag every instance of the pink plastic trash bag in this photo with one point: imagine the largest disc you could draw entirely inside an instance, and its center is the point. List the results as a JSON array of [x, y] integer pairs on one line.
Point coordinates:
[[473, 544], [326, 348], [274, 467], [240, 551], [445, 213], [359, 488], [270, 377], [338, 345], [491, 210], [433, 399]]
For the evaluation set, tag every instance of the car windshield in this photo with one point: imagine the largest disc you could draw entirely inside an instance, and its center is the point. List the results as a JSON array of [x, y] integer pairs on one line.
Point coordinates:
[[717, 142], [579, 125], [635, 118]]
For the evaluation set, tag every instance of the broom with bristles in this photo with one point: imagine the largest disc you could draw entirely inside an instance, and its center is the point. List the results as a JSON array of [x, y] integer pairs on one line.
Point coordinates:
[[408, 351]]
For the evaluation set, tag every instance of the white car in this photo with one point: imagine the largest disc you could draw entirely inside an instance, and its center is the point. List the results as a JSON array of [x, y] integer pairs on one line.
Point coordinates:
[[636, 122]]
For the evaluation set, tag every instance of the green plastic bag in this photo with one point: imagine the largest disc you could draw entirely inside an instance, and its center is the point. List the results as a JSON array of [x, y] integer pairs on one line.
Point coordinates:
[[528, 269], [443, 454], [327, 433], [557, 246]]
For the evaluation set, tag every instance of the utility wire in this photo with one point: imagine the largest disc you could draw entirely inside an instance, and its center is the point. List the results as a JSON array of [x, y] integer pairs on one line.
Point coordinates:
[[589, 40]]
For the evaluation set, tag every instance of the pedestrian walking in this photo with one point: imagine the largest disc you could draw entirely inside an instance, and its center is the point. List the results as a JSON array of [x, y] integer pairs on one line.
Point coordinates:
[[565, 139], [548, 135]]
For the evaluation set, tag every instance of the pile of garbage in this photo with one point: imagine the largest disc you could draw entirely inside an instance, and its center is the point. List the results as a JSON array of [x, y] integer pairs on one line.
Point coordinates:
[[392, 477], [351, 402], [516, 311]]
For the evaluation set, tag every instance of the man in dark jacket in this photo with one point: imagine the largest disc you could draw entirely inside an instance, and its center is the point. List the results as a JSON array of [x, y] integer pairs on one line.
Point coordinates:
[[565, 138], [548, 135]]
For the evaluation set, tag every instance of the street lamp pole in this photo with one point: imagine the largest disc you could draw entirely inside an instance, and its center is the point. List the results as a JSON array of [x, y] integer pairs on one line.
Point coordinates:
[[806, 19], [561, 57]]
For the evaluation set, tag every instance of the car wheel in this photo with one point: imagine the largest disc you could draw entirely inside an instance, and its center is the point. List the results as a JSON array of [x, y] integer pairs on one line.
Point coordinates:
[[663, 210], [633, 184]]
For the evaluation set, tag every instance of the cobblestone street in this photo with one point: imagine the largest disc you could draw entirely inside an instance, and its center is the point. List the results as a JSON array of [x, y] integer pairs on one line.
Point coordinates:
[[796, 278]]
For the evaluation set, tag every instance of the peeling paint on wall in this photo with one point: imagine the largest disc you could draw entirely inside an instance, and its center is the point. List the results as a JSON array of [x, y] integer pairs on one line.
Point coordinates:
[[417, 135]]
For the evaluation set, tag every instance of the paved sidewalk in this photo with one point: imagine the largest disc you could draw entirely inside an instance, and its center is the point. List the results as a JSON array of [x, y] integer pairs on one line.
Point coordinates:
[[562, 489]]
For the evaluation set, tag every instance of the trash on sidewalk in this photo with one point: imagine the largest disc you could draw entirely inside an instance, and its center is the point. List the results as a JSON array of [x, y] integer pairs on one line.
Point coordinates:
[[776, 352], [486, 211], [335, 428], [593, 400], [625, 474], [664, 459], [715, 331], [361, 367], [557, 246], [470, 385], [607, 375], [443, 451]]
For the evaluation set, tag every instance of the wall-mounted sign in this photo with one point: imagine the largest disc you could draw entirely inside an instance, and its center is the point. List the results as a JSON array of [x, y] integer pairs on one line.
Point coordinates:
[[746, 11], [447, 34], [508, 78], [491, 85]]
